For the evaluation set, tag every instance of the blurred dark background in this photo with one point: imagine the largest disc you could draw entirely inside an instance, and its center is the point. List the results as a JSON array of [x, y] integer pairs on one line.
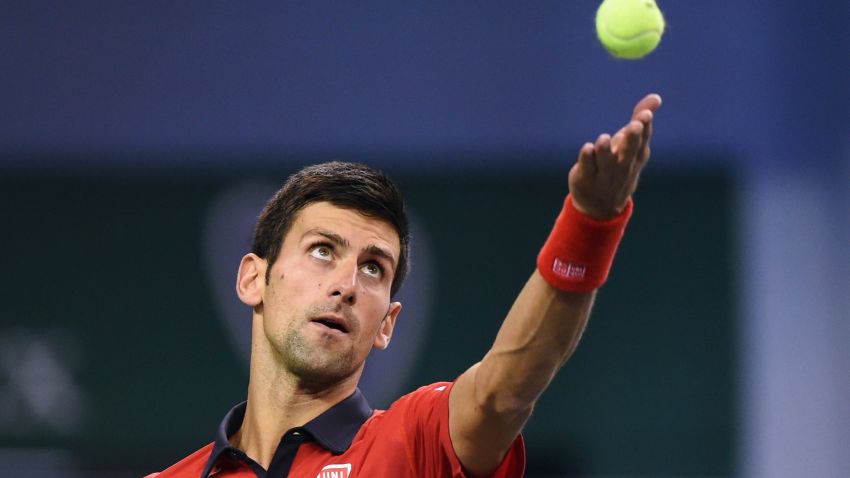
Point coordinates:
[[139, 140]]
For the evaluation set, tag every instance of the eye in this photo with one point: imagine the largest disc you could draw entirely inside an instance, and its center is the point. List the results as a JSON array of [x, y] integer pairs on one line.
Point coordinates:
[[372, 269], [321, 251]]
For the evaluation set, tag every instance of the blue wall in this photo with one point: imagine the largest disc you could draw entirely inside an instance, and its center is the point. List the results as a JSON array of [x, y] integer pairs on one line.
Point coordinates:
[[120, 77]]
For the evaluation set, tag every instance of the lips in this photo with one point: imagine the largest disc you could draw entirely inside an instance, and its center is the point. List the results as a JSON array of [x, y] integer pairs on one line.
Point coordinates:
[[332, 322]]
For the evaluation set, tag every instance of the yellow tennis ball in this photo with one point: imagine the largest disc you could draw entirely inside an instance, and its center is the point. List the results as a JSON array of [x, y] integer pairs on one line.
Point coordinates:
[[629, 29]]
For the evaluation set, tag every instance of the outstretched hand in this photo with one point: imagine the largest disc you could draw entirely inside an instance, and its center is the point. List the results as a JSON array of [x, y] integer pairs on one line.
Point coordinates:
[[606, 173]]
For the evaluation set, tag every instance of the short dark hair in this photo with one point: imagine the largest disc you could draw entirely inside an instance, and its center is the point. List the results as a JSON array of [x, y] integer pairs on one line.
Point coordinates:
[[348, 185]]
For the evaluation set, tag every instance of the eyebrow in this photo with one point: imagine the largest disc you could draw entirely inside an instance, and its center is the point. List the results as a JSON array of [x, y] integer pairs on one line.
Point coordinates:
[[342, 242]]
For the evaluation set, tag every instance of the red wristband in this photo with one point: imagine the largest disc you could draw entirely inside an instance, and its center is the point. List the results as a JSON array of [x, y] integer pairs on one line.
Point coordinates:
[[580, 249]]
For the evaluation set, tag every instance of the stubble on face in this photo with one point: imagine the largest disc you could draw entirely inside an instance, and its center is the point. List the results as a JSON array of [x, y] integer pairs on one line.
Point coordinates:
[[317, 361]]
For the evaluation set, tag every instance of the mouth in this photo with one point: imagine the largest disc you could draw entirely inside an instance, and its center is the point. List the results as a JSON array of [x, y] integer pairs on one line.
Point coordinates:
[[332, 322]]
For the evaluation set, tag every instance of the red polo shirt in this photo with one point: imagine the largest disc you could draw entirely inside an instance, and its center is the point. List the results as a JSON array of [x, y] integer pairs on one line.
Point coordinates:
[[350, 440]]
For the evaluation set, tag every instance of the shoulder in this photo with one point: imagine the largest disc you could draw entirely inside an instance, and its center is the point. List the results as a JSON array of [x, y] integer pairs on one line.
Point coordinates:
[[191, 466], [427, 403], [416, 426], [424, 398], [408, 414]]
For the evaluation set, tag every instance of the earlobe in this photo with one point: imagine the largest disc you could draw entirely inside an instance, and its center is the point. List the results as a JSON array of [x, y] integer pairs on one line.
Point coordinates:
[[251, 280], [385, 332]]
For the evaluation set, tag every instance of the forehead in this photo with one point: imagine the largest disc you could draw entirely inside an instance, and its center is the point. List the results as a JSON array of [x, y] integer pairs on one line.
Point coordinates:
[[349, 223]]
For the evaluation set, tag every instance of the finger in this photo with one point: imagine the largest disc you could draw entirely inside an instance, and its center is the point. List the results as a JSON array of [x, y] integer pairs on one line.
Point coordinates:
[[645, 112], [617, 140], [587, 160], [630, 142], [605, 158], [644, 117], [649, 102]]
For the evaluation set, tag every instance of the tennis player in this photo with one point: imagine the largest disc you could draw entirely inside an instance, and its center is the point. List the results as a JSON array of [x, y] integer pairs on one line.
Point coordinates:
[[329, 252]]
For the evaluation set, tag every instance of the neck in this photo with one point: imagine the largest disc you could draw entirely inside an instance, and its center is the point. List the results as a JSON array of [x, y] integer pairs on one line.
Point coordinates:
[[278, 402]]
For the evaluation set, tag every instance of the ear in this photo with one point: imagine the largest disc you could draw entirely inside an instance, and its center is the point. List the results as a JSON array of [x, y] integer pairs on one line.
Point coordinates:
[[251, 279], [385, 332]]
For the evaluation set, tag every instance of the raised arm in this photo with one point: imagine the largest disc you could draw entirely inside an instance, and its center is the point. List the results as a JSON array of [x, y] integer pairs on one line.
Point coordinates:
[[490, 402]]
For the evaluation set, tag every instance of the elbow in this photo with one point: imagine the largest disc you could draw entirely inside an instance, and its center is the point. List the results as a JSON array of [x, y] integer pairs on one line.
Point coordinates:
[[500, 394], [506, 405]]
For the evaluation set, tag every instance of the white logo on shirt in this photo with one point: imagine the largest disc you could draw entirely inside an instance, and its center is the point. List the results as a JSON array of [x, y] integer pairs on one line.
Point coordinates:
[[335, 471]]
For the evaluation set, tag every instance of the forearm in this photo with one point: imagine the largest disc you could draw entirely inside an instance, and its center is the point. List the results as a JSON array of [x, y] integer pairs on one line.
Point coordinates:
[[491, 401], [539, 334]]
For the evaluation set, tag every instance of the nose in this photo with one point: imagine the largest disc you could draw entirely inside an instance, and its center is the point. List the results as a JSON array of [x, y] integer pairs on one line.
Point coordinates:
[[343, 282]]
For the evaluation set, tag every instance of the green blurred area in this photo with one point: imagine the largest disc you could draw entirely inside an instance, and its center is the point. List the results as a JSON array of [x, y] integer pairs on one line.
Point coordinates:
[[116, 264]]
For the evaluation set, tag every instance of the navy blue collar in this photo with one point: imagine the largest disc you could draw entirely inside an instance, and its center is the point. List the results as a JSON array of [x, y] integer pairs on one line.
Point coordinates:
[[334, 429]]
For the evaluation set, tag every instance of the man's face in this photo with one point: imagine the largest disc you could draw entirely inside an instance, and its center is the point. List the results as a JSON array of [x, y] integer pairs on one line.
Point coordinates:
[[327, 302]]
